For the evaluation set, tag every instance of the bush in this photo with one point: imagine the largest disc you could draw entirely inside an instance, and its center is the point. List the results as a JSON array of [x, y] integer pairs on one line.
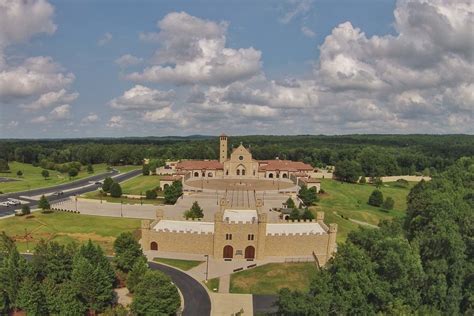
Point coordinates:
[[25, 210], [362, 180], [402, 183], [90, 168], [290, 203], [45, 173], [107, 184], [146, 170], [376, 198], [150, 194], [73, 172], [388, 204], [115, 190], [19, 173], [43, 203]]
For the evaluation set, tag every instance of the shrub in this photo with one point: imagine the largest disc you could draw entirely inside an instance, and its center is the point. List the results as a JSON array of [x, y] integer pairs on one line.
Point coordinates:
[[107, 184], [115, 190], [25, 210], [150, 194], [402, 183], [43, 203], [362, 180], [290, 203], [388, 204], [376, 198]]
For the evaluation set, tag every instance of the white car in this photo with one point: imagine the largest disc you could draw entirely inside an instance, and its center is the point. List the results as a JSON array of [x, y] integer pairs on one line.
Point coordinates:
[[14, 201], [4, 204]]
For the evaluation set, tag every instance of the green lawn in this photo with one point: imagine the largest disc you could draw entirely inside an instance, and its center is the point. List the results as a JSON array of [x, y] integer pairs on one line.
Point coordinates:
[[65, 228], [271, 277], [140, 184], [180, 264], [96, 196], [32, 178], [350, 200], [212, 284]]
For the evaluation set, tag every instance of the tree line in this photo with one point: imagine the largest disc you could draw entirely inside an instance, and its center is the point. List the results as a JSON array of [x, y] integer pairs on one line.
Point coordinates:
[[377, 155], [421, 264], [80, 280]]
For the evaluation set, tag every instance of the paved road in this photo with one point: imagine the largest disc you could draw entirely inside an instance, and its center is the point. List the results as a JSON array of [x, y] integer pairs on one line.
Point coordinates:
[[196, 299], [265, 304], [70, 189]]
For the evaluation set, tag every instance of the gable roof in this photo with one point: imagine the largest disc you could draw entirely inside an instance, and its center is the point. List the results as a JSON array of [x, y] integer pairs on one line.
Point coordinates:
[[283, 165]]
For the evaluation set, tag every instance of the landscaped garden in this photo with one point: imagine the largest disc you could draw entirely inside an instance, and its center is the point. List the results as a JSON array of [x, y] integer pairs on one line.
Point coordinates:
[[271, 277], [65, 228]]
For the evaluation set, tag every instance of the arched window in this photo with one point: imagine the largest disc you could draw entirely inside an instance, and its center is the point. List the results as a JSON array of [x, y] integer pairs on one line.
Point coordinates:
[[165, 185], [243, 172], [209, 174], [153, 246], [250, 252], [196, 174], [228, 252], [270, 175], [238, 172], [285, 176]]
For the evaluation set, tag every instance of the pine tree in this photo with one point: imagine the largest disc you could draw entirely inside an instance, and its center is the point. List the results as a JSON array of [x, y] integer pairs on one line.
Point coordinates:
[[31, 298], [388, 204], [376, 198], [107, 184], [155, 295], [90, 168], [115, 190], [43, 203], [127, 252], [136, 275], [290, 203]]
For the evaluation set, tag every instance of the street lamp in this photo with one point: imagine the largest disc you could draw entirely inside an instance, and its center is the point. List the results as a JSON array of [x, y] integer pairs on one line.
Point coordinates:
[[141, 201], [207, 266], [121, 212], [26, 236]]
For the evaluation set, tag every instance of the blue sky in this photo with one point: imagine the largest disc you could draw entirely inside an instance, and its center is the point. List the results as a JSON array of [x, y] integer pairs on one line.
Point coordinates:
[[271, 67]]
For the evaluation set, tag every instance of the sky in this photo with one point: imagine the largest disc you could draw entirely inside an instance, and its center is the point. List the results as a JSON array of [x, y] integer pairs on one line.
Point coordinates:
[[71, 68]]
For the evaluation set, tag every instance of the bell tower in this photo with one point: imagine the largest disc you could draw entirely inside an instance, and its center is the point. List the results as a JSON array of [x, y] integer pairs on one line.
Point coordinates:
[[223, 148]]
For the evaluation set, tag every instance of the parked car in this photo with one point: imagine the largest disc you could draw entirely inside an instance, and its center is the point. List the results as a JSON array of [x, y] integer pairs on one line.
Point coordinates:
[[58, 193], [14, 201], [4, 204]]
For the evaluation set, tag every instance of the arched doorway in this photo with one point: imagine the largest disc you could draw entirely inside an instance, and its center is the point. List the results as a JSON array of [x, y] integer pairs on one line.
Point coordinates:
[[196, 174], [153, 246], [228, 252], [166, 185], [285, 176], [250, 252]]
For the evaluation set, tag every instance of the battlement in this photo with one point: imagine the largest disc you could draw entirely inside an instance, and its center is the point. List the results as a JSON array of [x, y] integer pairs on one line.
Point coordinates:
[[296, 234], [178, 231]]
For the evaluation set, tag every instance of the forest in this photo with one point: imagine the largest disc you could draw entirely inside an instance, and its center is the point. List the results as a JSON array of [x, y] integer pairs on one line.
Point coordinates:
[[376, 155], [419, 265]]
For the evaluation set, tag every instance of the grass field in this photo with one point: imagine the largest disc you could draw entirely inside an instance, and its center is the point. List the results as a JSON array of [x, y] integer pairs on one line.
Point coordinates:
[[180, 264], [350, 200], [140, 184], [65, 228], [96, 196], [271, 277], [212, 284], [32, 178]]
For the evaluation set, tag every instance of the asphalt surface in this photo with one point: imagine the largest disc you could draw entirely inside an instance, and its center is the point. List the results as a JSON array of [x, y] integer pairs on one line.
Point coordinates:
[[73, 188], [196, 299], [265, 304]]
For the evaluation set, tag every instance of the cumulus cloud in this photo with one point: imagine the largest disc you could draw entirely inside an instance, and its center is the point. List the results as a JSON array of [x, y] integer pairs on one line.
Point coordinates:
[[89, 119], [193, 51], [59, 113], [35, 75], [20, 20], [142, 98], [105, 39], [128, 60], [116, 121], [51, 98]]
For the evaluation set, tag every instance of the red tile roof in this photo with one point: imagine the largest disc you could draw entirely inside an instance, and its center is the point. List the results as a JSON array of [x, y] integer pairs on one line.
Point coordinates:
[[283, 165], [200, 165], [311, 180], [170, 178]]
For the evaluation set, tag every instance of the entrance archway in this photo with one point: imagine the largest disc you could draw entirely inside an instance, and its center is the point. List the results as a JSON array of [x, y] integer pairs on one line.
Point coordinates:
[[196, 174], [228, 252], [153, 246], [250, 252]]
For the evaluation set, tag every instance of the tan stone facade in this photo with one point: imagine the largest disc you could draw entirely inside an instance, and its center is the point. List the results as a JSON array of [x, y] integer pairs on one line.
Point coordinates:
[[247, 236]]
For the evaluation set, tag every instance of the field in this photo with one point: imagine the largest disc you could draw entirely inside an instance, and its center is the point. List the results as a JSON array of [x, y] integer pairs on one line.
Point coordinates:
[[32, 178], [140, 184], [212, 284], [95, 195], [350, 200], [178, 263], [271, 277], [65, 228]]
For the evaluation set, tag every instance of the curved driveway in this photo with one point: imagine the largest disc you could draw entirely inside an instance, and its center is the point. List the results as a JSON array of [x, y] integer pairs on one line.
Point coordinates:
[[196, 299]]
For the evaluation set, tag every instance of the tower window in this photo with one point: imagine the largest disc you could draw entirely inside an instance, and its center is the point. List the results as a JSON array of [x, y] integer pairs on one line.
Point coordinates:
[[250, 237], [228, 236]]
